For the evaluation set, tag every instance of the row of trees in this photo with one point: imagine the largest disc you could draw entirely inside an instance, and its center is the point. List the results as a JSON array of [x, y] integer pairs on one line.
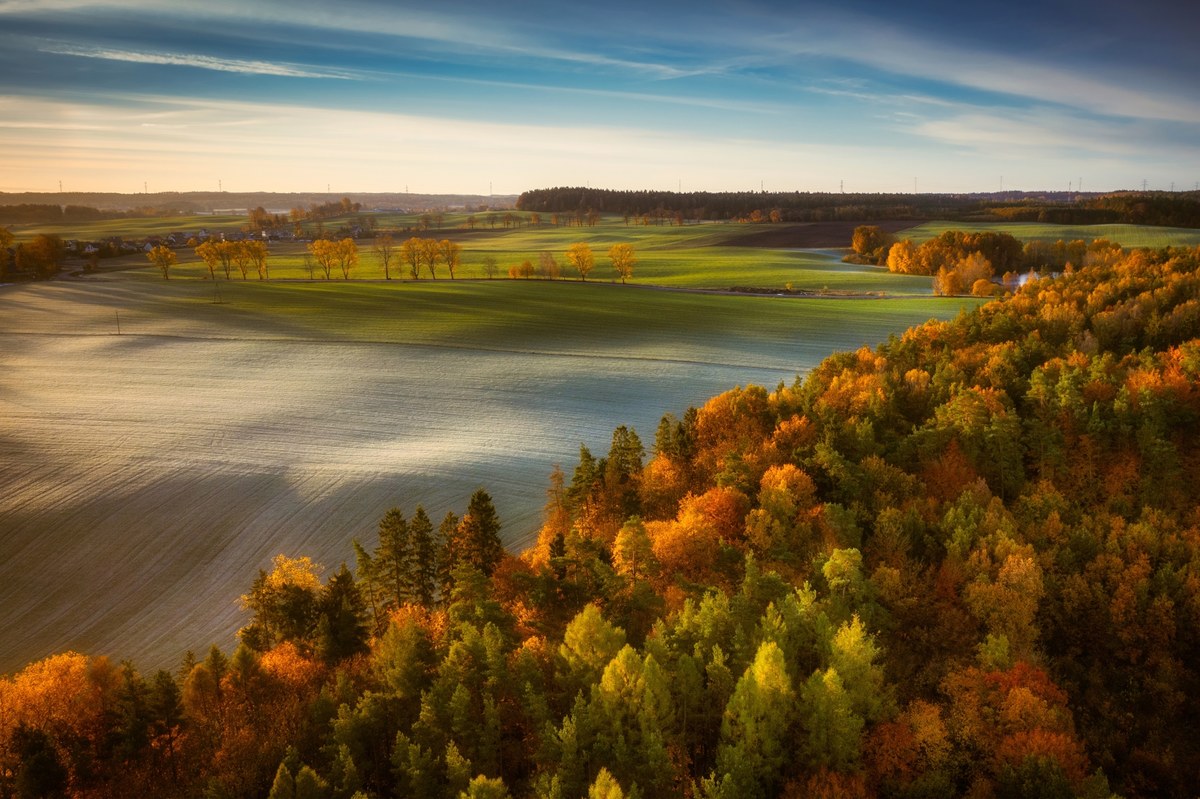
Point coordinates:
[[329, 254], [417, 253], [247, 255]]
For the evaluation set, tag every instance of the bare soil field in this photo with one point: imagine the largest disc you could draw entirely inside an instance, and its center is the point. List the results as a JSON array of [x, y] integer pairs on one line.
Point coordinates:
[[145, 476]]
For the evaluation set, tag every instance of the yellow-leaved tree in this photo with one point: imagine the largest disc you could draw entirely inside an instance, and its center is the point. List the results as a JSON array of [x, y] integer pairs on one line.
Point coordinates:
[[581, 257], [623, 258]]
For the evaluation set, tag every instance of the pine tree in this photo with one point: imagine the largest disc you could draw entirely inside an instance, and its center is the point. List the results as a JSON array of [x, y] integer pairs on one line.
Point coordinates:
[[341, 626], [394, 558], [424, 558], [582, 480], [367, 571], [477, 537]]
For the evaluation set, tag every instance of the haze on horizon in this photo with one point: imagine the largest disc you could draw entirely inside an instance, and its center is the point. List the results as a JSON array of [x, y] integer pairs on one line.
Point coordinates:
[[467, 97]]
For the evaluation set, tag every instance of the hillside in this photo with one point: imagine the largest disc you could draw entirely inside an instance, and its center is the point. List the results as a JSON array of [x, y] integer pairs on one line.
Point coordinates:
[[962, 563]]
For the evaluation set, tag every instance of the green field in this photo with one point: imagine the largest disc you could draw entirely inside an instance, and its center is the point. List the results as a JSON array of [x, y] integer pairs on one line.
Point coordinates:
[[150, 473], [689, 256], [132, 228], [1126, 235]]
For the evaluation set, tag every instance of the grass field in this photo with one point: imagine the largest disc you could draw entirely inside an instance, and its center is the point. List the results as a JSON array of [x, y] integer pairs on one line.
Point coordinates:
[[710, 268], [690, 256], [149, 473], [1125, 235]]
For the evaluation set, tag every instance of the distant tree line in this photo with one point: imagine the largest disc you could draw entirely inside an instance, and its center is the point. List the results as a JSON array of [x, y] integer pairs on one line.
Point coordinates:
[[37, 213], [1167, 209], [793, 207], [1175, 209]]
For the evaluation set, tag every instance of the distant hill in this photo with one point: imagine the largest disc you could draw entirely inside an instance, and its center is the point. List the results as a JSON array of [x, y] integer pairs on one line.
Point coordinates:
[[207, 201]]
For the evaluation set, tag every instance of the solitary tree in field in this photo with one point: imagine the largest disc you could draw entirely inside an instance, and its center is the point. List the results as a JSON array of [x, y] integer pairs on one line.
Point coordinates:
[[164, 258], [623, 259], [451, 255], [410, 253], [347, 256], [581, 257], [385, 248]]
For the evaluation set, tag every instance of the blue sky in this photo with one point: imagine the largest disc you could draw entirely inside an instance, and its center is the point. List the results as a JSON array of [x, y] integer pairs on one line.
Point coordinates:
[[467, 96]]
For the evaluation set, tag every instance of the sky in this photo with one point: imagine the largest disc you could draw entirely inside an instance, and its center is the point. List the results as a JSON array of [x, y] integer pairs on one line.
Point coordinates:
[[479, 97]]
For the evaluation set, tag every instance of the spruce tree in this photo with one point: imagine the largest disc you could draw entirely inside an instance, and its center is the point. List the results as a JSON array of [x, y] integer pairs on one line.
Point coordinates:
[[424, 558], [394, 557]]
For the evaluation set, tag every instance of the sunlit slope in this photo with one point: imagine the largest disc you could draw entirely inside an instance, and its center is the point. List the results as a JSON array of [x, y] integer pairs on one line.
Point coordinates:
[[145, 476], [1126, 235]]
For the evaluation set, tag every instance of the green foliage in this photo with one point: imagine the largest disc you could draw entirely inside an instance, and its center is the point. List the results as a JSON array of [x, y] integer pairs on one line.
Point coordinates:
[[589, 643], [754, 732], [483, 787], [833, 730]]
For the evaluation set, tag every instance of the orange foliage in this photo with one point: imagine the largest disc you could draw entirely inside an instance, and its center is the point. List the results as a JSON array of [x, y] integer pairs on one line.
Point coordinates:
[[949, 475], [793, 434], [66, 692], [663, 484], [826, 784], [688, 546], [434, 623], [1040, 743], [286, 664], [733, 423], [723, 508]]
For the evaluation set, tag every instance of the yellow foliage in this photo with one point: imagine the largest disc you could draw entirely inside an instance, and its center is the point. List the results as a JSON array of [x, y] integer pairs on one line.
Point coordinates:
[[300, 572]]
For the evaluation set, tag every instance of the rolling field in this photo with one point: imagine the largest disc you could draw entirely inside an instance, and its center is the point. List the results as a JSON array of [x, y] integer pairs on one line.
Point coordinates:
[[690, 256], [146, 475], [1125, 235]]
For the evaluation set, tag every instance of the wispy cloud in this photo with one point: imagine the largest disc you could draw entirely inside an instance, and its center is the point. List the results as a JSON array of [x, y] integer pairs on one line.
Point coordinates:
[[201, 62], [895, 50], [1047, 132]]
